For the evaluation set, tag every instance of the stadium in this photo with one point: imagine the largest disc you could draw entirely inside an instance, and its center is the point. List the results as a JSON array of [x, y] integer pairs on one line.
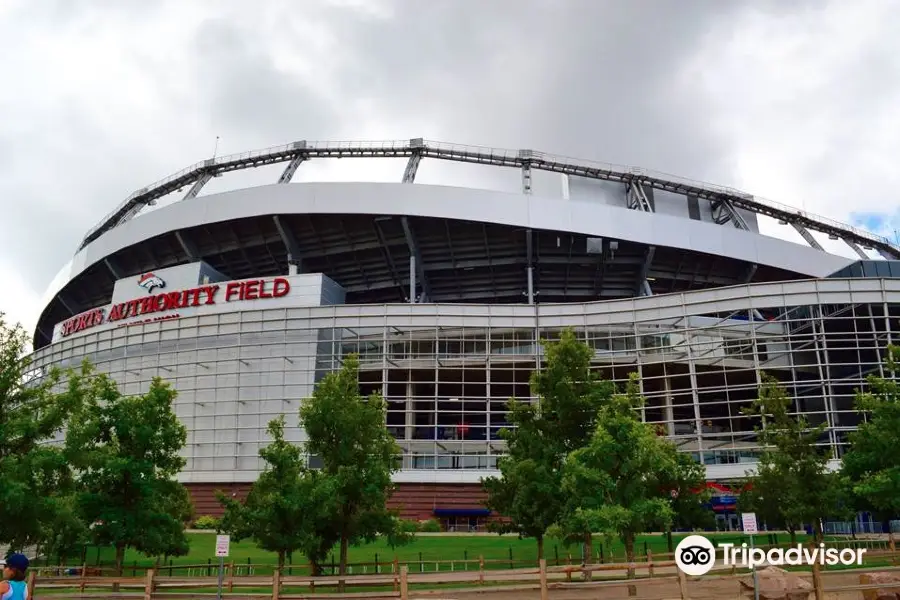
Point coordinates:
[[243, 299]]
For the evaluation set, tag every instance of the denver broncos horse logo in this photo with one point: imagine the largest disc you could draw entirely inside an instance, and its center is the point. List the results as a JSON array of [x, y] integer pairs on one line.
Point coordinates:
[[148, 281]]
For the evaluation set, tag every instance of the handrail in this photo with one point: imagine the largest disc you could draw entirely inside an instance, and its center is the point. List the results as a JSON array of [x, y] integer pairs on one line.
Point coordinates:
[[481, 155]]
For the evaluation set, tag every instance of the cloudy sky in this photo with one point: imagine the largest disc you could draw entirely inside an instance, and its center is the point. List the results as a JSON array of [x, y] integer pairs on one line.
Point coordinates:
[[793, 100]]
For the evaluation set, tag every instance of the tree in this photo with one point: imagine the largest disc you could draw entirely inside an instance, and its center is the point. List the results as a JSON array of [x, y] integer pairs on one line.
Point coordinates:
[[688, 497], [872, 464], [349, 434], [569, 397], [792, 484], [288, 508], [620, 482], [126, 451], [66, 533], [32, 473]]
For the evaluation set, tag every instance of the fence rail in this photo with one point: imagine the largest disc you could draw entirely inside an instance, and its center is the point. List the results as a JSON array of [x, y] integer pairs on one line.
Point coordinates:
[[540, 578]]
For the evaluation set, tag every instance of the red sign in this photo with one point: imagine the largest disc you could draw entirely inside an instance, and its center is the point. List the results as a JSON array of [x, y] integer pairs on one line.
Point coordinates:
[[235, 291]]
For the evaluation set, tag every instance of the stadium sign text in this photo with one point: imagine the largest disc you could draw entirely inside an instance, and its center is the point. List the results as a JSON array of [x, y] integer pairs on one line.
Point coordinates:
[[235, 291]]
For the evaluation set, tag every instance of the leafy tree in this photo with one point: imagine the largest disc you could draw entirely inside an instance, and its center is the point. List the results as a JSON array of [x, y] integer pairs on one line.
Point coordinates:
[[765, 506], [349, 434], [288, 508], [688, 497], [792, 484], [620, 482], [66, 533], [126, 451], [569, 397], [872, 465], [32, 474]]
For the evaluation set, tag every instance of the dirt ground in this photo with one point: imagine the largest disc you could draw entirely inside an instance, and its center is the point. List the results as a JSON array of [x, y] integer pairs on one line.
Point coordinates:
[[704, 588]]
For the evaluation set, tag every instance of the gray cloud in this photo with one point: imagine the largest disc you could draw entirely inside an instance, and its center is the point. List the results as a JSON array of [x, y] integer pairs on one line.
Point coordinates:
[[109, 97]]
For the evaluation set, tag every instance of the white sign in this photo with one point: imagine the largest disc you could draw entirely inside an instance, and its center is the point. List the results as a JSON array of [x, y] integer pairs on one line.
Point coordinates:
[[748, 522], [222, 545]]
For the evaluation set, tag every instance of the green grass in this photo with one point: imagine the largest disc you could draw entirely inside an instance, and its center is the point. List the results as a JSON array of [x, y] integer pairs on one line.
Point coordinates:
[[444, 547]]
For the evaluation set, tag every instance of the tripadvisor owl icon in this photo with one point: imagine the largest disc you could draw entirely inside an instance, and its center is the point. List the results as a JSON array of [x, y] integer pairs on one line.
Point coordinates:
[[695, 555]]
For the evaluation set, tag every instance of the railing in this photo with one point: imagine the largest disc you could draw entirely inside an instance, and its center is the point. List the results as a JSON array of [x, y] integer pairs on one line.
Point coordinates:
[[639, 576], [478, 155]]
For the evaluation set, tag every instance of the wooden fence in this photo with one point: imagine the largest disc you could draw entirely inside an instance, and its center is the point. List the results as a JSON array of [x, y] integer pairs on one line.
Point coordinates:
[[651, 575]]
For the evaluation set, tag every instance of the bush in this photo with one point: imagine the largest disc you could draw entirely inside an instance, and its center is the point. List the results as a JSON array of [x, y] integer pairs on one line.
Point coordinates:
[[407, 526], [206, 522], [429, 526]]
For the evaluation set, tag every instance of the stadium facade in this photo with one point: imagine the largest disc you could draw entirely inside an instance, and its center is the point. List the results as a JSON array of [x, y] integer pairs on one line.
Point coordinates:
[[244, 299]]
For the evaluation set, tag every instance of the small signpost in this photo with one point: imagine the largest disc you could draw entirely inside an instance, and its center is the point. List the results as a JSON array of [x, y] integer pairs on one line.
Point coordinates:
[[223, 545], [748, 524]]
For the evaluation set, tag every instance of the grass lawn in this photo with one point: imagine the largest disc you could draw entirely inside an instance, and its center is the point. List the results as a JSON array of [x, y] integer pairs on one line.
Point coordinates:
[[425, 548]]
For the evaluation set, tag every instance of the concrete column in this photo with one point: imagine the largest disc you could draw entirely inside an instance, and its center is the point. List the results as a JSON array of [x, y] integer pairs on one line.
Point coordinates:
[[668, 411]]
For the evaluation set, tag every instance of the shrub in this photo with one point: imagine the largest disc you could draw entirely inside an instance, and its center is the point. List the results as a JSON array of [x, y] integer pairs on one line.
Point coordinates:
[[429, 526], [206, 522]]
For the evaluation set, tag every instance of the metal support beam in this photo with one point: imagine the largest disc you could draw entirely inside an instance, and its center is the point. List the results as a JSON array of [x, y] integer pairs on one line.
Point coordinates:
[[888, 255], [412, 165], [526, 178], [528, 250], [198, 185], [807, 236], [636, 197], [289, 170], [69, 306], [856, 249], [417, 263], [525, 157], [188, 246], [751, 271], [412, 278], [114, 269], [724, 211], [643, 286], [290, 242]]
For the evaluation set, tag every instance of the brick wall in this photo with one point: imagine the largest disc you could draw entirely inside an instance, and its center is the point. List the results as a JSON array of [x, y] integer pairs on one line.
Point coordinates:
[[415, 500]]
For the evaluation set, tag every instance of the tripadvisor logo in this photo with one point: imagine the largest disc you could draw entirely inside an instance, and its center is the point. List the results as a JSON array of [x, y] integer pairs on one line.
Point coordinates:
[[696, 555]]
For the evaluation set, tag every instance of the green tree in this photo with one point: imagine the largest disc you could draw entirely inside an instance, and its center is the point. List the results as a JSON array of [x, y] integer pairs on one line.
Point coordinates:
[[126, 452], [872, 465], [688, 497], [66, 533], [620, 482], [288, 508], [792, 477], [569, 396], [32, 474], [349, 434]]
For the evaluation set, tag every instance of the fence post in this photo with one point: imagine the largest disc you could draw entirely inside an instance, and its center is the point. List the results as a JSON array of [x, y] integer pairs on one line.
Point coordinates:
[[544, 591], [404, 583], [230, 577], [30, 584], [276, 583], [650, 563], [481, 569], [148, 583], [682, 585], [817, 580]]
